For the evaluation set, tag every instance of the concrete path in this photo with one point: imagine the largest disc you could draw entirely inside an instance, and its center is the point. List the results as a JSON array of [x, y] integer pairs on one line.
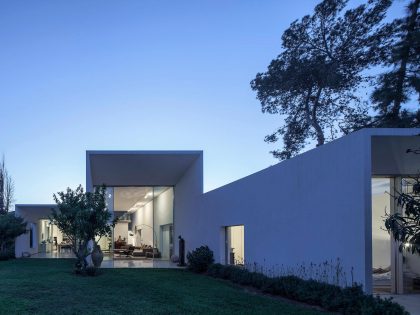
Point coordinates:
[[120, 262]]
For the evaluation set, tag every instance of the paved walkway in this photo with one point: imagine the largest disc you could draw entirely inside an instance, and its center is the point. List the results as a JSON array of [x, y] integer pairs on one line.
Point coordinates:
[[138, 263], [109, 262], [411, 302], [55, 254]]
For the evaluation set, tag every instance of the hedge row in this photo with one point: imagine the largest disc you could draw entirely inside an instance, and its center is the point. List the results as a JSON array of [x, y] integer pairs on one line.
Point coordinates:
[[350, 300]]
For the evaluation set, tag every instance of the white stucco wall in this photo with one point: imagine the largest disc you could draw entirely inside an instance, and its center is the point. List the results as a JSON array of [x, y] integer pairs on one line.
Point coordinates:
[[143, 219], [121, 229], [309, 209], [312, 208], [163, 212], [31, 214], [188, 193]]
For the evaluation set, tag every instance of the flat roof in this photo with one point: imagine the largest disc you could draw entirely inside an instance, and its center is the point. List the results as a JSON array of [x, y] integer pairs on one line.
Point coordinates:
[[138, 168], [38, 210], [390, 156], [35, 205]]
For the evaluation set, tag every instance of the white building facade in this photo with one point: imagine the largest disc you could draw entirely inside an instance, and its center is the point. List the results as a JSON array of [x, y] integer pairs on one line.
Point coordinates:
[[313, 208]]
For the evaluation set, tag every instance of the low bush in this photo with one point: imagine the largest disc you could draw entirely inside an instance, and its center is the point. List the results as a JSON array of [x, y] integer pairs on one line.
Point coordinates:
[[349, 300], [10, 228], [8, 253], [4, 256], [200, 259]]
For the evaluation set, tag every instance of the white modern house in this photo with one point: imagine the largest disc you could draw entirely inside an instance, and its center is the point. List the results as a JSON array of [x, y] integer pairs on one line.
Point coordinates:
[[323, 205]]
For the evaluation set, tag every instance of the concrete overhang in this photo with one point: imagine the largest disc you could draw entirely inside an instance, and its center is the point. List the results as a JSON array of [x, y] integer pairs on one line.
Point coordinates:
[[40, 210], [138, 168], [392, 155]]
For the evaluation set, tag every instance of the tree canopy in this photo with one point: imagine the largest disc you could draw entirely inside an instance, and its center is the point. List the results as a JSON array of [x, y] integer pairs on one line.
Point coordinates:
[[10, 225], [7, 189], [10, 228], [324, 82], [401, 82], [314, 80]]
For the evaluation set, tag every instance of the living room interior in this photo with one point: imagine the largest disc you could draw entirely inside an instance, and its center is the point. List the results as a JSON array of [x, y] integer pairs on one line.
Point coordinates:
[[144, 229]]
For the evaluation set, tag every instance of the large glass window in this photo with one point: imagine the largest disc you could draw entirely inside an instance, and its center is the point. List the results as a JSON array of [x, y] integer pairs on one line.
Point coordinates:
[[381, 241], [145, 222], [411, 262], [45, 236], [393, 271]]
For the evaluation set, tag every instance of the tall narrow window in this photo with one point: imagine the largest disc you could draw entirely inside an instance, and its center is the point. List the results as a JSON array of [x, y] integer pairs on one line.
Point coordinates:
[[235, 251], [31, 237]]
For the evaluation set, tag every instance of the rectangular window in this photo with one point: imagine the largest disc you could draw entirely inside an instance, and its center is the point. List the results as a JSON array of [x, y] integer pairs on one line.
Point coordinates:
[[235, 249], [31, 237]]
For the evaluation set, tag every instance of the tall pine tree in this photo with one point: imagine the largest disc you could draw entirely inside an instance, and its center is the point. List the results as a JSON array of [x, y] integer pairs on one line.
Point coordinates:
[[313, 82], [398, 86]]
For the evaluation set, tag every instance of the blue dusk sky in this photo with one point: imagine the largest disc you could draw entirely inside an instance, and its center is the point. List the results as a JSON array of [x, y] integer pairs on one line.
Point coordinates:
[[135, 75]]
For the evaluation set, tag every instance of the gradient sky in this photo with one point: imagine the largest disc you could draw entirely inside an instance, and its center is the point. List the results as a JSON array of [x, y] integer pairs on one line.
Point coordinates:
[[135, 75]]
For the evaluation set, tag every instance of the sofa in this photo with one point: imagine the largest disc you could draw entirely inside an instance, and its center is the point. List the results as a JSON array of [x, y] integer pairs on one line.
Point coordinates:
[[147, 252]]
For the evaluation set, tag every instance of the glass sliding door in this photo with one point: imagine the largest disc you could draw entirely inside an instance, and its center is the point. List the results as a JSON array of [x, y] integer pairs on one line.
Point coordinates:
[[381, 240], [393, 271], [410, 262], [45, 236]]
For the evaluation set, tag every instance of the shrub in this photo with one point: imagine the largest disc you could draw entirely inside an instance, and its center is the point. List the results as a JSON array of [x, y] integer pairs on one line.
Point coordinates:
[[4, 256], [10, 228], [9, 252], [377, 306], [349, 300], [200, 259]]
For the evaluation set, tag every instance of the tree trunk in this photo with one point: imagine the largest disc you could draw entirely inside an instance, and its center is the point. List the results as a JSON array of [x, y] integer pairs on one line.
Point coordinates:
[[8, 192], [2, 211], [319, 134], [84, 254], [80, 250], [405, 53], [97, 256], [311, 116], [90, 246]]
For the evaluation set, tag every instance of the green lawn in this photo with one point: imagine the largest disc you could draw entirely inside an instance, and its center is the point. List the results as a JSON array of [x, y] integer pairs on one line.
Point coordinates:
[[47, 286]]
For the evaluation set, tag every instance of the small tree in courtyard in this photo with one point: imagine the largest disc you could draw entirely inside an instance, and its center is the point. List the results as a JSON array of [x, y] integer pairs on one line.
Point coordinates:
[[82, 216]]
